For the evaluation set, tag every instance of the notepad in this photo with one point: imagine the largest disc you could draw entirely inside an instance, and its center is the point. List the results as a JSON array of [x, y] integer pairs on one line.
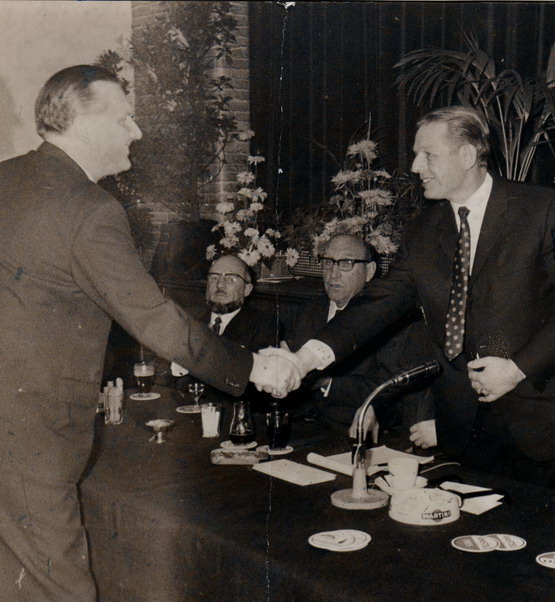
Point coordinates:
[[293, 472]]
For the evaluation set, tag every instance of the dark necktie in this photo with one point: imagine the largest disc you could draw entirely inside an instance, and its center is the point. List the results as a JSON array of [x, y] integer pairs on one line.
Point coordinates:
[[454, 325], [217, 326]]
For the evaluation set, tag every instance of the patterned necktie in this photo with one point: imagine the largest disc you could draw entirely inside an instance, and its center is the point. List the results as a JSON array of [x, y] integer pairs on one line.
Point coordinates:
[[454, 326], [217, 326]]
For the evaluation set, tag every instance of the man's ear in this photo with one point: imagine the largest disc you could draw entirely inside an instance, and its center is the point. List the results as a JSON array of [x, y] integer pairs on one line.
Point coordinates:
[[370, 270], [248, 289], [469, 155], [81, 128]]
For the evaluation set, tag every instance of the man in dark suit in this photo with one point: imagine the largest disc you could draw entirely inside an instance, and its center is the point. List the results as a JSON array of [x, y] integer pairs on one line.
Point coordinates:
[[229, 284], [334, 395], [495, 405], [67, 267]]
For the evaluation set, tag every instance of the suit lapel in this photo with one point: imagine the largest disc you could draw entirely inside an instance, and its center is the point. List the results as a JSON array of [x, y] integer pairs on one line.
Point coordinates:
[[446, 229], [492, 227]]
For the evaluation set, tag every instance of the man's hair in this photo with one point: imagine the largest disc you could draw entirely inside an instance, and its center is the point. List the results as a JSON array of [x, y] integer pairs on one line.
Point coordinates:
[[466, 126], [369, 253], [249, 273], [66, 93]]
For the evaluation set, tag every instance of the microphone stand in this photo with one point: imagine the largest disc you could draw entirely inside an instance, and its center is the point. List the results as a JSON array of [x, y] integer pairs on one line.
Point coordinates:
[[359, 498]]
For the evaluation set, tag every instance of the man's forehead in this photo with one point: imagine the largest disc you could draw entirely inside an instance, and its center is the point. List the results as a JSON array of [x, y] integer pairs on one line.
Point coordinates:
[[430, 135], [228, 263], [345, 246]]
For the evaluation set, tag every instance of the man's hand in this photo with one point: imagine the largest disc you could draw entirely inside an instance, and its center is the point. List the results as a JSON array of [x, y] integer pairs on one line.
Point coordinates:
[[304, 359], [274, 374], [370, 423], [492, 377], [423, 434]]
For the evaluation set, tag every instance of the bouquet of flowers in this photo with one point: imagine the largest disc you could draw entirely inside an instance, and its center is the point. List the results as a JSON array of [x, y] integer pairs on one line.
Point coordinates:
[[244, 220], [366, 201]]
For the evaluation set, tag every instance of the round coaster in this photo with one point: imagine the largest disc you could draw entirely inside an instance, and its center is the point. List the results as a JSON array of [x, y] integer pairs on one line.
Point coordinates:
[[342, 540], [144, 396], [546, 559], [508, 543], [475, 543], [230, 445], [188, 409], [275, 452]]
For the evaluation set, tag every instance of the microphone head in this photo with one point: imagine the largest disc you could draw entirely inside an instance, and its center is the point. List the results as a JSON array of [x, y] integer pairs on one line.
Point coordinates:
[[426, 370]]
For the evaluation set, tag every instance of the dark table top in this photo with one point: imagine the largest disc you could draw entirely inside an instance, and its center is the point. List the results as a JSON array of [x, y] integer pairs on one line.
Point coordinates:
[[165, 524]]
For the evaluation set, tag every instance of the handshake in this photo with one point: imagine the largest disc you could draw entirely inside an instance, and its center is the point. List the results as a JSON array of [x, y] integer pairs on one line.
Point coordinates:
[[278, 371]]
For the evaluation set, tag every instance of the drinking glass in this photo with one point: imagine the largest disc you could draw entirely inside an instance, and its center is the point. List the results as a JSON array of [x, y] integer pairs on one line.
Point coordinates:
[[144, 375], [241, 431], [278, 428]]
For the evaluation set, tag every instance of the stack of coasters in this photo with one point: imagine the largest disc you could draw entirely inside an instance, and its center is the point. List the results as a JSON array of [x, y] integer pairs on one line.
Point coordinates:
[[488, 543]]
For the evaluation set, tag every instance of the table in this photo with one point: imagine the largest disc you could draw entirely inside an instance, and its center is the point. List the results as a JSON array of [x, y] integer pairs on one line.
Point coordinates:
[[167, 525]]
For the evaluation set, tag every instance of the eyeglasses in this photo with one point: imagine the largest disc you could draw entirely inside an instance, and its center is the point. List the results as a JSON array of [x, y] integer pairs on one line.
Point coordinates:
[[214, 277], [345, 265]]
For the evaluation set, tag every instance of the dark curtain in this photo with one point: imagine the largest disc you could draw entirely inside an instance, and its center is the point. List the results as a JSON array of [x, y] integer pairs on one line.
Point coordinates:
[[319, 69]]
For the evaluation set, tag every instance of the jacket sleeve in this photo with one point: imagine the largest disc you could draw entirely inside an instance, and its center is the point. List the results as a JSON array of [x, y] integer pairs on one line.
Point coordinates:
[[107, 268], [537, 358]]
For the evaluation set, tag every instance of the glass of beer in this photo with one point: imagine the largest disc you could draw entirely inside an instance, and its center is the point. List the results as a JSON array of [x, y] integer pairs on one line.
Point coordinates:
[[143, 372], [241, 432], [278, 428]]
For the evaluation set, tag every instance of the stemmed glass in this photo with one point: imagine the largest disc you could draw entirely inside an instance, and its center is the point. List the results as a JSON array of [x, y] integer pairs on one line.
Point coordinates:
[[196, 389]]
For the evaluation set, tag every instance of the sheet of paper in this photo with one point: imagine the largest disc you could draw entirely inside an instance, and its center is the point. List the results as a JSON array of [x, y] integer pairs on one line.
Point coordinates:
[[293, 472], [475, 505], [374, 456]]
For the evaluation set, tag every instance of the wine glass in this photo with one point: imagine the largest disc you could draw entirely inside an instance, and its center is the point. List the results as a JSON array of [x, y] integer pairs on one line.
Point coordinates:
[[196, 389]]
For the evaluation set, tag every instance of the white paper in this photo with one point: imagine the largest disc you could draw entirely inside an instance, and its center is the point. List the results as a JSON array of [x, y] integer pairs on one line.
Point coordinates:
[[293, 472], [376, 455], [475, 505]]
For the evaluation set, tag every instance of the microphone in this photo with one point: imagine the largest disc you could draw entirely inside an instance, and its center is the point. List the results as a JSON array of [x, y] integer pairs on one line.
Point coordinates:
[[415, 374], [359, 497]]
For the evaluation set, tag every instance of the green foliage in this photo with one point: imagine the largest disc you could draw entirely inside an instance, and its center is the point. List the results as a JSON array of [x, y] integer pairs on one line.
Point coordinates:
[[520, 111], [188, 123]]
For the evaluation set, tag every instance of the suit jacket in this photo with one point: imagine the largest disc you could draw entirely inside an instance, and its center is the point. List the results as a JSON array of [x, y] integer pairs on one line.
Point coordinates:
[[359, 373], [67, 267], [510, 310]]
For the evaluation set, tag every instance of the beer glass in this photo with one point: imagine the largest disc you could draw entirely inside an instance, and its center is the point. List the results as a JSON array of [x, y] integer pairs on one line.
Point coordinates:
[[143, 372]]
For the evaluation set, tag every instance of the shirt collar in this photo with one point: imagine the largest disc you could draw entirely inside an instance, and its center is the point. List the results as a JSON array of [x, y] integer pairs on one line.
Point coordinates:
[[478, 200]]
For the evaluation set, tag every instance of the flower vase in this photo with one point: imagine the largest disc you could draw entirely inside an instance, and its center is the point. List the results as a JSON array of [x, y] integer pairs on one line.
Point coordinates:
[[308, 265]]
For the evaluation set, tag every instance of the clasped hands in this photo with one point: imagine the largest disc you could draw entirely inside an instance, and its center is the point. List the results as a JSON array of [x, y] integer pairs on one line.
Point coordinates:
[[492, 377], [277, 370]]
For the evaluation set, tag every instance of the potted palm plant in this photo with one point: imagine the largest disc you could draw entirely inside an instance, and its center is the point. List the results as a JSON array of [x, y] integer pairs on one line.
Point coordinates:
[[520, 111]]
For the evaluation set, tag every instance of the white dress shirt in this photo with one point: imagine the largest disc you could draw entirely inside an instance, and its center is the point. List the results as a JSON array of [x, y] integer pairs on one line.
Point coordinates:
[[476, 205], [226, 319]]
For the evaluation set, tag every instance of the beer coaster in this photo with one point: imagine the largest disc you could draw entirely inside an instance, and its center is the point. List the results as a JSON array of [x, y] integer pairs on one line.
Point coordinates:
[[475, 543], [508, 543], [144, 396], [230, 445], [342, 540], [275, 452], [188, 409], [546, 559]]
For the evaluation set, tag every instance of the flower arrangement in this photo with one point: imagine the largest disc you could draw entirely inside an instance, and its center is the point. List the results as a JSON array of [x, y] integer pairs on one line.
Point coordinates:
[[366, 201], [245, 223]]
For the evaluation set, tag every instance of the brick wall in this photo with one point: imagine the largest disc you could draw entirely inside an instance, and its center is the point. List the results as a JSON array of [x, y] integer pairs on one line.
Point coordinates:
[[145, 12]]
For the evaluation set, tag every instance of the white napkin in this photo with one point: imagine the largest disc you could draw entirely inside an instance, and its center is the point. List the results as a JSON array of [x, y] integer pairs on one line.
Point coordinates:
[[474, 505], [294, 472]]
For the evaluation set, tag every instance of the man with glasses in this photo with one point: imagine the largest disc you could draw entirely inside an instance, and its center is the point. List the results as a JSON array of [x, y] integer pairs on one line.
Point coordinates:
[[348, 266], [229, 283]]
